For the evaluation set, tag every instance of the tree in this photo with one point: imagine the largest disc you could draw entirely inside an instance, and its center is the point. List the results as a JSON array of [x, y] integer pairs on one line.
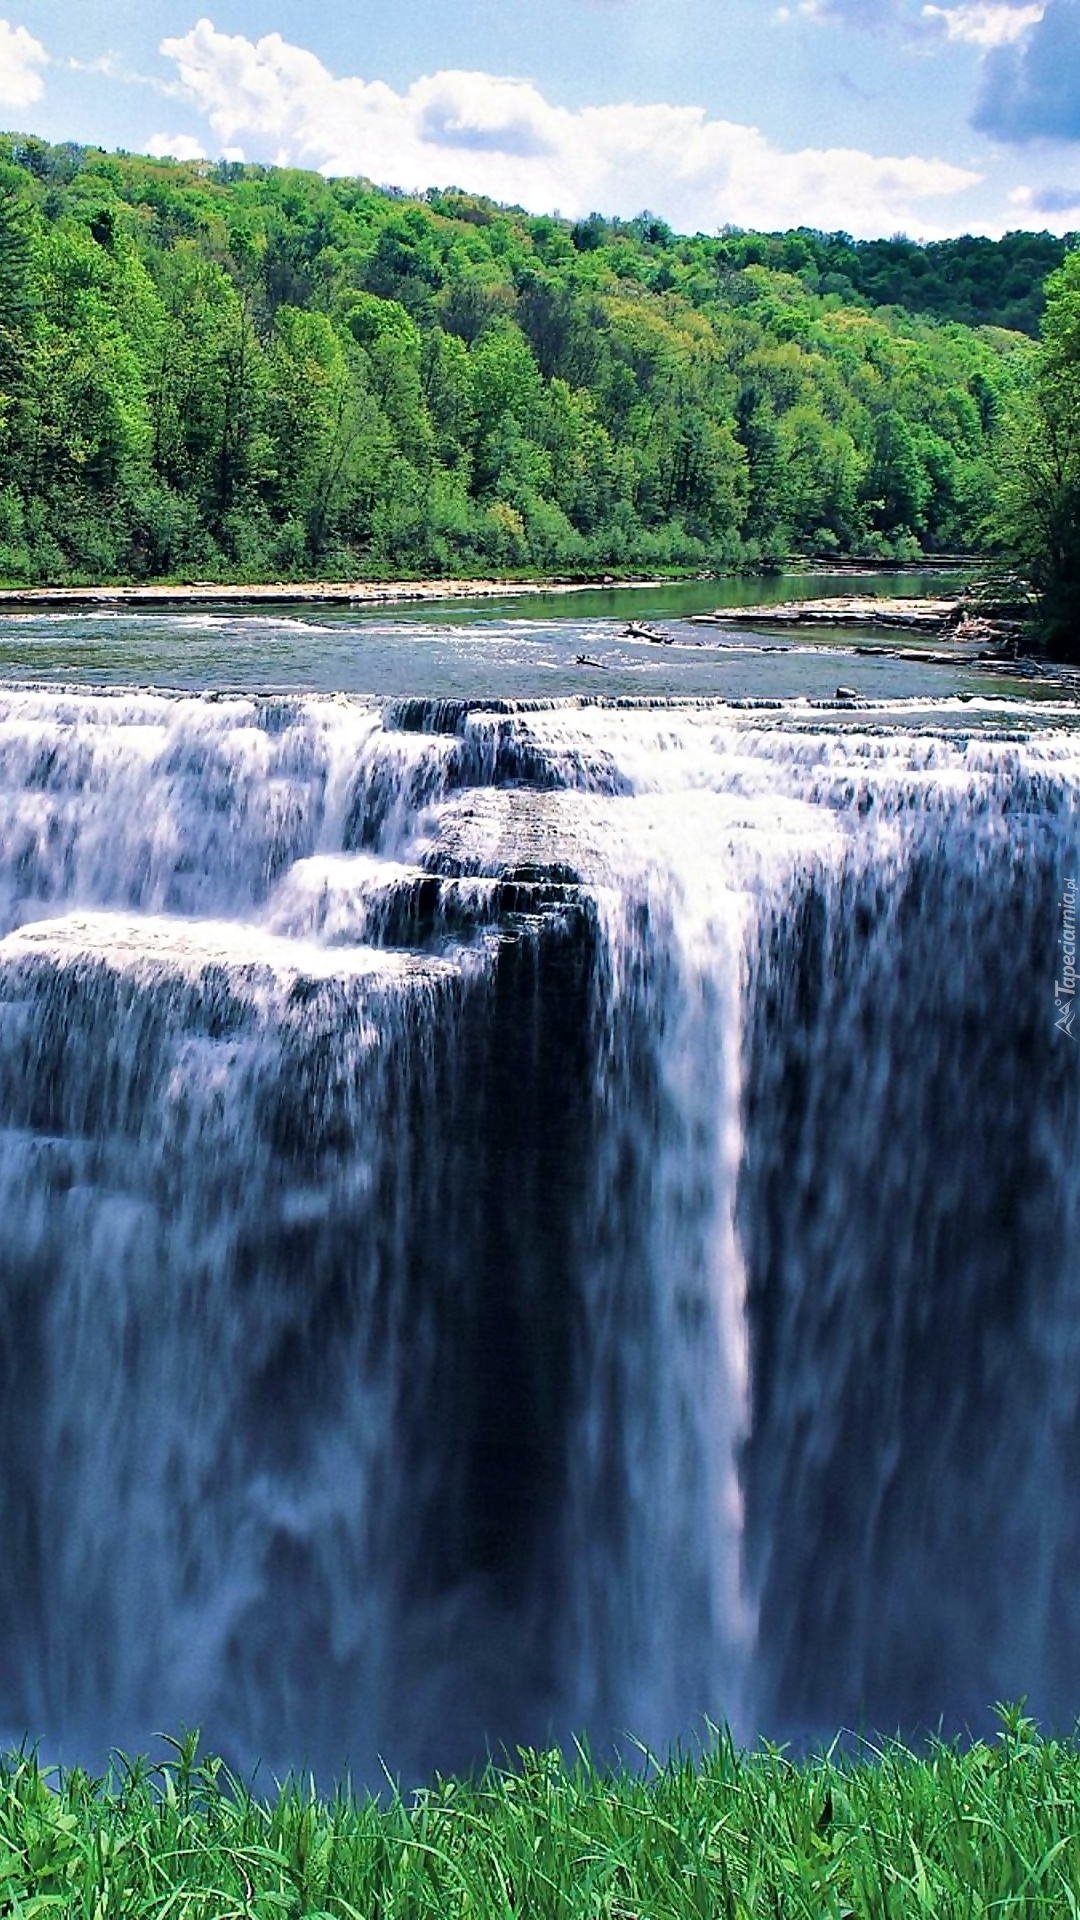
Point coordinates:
[[247, 367], [17, 301], [320, 415], [898, 486], [1039, 499]]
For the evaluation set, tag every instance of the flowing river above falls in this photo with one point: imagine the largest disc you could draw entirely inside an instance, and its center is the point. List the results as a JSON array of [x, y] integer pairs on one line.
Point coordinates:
[[526, 646], [523, 1216]]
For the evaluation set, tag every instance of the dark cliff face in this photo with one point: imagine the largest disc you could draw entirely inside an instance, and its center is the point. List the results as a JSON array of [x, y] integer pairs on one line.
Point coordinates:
[[570, 1227]]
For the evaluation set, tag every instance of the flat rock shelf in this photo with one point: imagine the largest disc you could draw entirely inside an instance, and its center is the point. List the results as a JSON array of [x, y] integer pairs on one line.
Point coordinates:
[[846, 610]]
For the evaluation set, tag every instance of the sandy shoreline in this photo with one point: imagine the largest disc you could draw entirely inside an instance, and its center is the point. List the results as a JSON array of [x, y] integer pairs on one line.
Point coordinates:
[[332, 593]]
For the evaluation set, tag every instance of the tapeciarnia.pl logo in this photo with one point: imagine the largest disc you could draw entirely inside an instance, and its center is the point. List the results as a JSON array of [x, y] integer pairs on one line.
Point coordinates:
[[1065, 989]]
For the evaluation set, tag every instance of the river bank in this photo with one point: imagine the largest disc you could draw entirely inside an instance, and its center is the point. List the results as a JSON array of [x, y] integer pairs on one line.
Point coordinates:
[[305, 593]]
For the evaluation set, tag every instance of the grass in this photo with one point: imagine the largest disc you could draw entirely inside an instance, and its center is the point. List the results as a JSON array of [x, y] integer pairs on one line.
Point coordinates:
[[983, 1829]]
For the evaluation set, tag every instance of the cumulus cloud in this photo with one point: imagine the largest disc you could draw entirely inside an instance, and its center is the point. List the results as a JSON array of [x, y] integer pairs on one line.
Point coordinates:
[[502, 137], [21, 60], [175, 146], [488, 115], [1046, 200], [986, 23], [1031, 90]]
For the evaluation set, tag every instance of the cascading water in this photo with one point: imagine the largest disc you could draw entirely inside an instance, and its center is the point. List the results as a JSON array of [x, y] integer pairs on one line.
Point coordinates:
[[518, 1222]]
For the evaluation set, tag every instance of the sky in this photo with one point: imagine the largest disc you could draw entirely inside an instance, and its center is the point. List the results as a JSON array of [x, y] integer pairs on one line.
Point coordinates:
[[871, 116]]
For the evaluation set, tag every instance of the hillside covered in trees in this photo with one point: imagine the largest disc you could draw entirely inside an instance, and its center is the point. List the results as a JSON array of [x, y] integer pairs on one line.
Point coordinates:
[[1038, 496], [214, 369]]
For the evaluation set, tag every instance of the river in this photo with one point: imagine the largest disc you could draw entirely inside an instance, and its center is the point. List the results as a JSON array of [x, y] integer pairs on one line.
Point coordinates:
[[523, 647]]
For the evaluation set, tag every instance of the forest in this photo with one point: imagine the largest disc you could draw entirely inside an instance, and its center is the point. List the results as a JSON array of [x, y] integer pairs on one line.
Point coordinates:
[[234, 371]]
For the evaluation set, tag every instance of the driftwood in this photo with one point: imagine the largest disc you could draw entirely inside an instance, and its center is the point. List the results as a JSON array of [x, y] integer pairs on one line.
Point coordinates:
[[640, 630]]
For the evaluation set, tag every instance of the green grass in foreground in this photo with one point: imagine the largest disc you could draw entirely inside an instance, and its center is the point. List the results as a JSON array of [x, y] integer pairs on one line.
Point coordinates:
[[979, 1830]]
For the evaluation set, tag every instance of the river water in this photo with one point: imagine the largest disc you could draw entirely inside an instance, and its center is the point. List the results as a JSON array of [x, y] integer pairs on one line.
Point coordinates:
[[523, 647], [523, 1214]]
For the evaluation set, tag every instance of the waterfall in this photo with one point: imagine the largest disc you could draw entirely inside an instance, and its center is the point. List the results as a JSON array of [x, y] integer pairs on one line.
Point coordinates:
[[908, 1208], [522, 1220]]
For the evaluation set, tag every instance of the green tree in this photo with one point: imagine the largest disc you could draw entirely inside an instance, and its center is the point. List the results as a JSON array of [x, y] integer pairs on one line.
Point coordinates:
[[17, 293], [898, 487], [320, 416], [247, 367], [1039, 500]]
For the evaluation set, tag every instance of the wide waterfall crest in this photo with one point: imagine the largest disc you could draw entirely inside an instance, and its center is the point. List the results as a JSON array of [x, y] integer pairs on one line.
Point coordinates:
[[525, 1219]]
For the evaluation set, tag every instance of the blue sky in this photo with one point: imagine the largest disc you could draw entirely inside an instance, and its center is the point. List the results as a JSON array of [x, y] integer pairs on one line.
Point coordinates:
[[878, 116]]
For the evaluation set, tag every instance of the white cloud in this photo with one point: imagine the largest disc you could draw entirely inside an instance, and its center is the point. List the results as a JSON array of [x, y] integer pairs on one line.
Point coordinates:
[[175, 146], [502, 137], [986, 23], [21, 58], [111, 66], [869, 16], [478, 111], [978, 23], [1055, 207], [1031, 88]]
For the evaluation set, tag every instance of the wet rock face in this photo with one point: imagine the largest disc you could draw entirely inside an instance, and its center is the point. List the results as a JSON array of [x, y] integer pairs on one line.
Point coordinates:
[[522, 1221]]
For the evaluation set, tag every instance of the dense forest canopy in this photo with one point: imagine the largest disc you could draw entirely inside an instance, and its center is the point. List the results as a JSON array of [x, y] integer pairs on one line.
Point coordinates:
[[211, 369], [1038, 495]]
